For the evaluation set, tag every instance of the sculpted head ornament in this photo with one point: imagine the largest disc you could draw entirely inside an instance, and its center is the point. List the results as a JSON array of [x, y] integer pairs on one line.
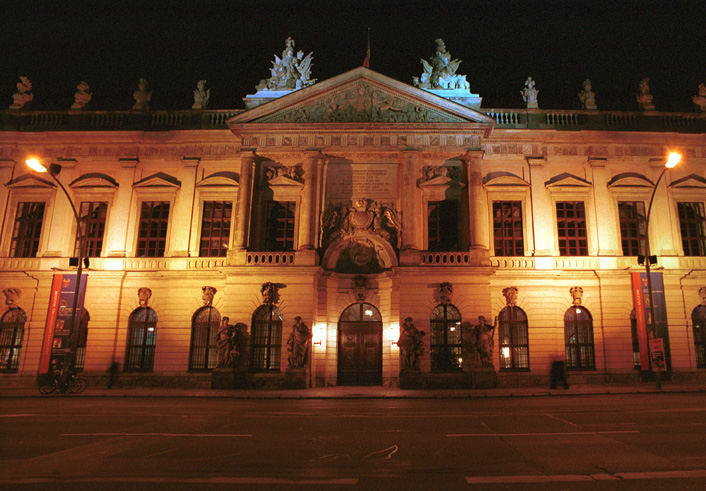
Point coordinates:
[[143, 295], [510, 294]]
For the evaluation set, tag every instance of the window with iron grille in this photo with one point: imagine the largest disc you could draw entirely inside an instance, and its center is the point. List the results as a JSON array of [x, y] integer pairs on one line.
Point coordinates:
[[578, 338], [507, 228], [152, 235], [204, 330], [513, 339], [266, 339], [27, 229], [215, 228], [141, 340], [92, 214], [442, 225], [698, 320], [12, 326], [691, 225], [633, 227], [81, 342], [571, 228], [446, 352], [280, 226]]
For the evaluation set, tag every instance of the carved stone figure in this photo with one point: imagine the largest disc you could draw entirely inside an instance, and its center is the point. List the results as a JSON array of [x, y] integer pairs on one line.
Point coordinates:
[[240, 339], [469, 346], [82, 96], [440, 72], [702, 294], [294, 172], [452, 172], [24, 96], [530, 93], [587, 97], [411, 345], [12, 296], [270, 292], [224, 344], [700, 99], [360, 287], [576, 294], [446, 291], [201, 95], [510, 294], [298, 344], [291, 72], [643, 96], [208, 293], [143, 295], [486, 342], [142, 96], [343, 220]]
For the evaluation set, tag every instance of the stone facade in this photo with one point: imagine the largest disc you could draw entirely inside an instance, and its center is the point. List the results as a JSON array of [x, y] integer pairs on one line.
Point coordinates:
[[359, 137]]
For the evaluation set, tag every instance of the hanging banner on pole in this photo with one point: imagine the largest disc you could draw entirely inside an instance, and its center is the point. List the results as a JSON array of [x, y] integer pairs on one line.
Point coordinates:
[[57, 329], [641, 301], [640, 318]]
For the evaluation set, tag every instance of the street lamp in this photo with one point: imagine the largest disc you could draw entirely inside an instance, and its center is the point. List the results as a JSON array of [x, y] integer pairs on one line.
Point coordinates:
[[69, 356], [672, 160]]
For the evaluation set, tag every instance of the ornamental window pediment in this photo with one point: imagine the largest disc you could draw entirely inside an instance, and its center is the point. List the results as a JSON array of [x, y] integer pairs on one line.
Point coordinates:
[[30, 181], [496, 179], [567, 182], [158, 180], [224, 179], [630, 180], [692, 181], [94, 180], [281, 176]]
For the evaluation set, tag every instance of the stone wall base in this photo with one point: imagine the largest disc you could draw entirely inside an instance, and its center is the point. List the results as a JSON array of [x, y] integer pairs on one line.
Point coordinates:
[[481, 378]]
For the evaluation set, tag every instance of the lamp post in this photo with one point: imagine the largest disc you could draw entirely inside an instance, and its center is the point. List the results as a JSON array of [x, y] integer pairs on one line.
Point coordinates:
[[672, 160], [70, 355]]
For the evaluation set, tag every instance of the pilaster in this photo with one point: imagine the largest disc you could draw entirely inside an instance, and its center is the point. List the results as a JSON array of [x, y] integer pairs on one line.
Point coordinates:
[[307, 210], [116, 236], [608, 240], [477, 205], [410, 206], [242, 219], [542, 209]]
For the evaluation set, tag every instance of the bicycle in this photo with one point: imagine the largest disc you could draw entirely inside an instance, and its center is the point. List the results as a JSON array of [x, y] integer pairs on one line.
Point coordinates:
[[75, 385]]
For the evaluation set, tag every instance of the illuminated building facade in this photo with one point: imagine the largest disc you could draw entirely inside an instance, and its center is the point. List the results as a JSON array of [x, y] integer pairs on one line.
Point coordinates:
[[361, 201]]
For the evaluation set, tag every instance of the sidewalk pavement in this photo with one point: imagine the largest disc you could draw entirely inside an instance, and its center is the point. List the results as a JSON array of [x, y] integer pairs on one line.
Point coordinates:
[[340, 392]]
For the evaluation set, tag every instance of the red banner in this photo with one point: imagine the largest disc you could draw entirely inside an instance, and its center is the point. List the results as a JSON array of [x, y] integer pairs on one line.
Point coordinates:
[[640, 319]]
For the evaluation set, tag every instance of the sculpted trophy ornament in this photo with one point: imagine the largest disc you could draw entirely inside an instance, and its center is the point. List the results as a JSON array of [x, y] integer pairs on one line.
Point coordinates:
[[510, 294], [208, 293], [24, 96], [411, 345], [576, 295], [700, 99], [142, 96], [298, 344], [530, 93], [270, 292], [440, 72], [12, 296], [291, 72], [643, 96], [143, 295], [446, 291], [202, 95], [587, 97], [82, 96]]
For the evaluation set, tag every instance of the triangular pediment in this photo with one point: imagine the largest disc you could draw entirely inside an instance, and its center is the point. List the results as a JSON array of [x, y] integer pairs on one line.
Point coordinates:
[[567, 180], [690, 181], [29, 181], [361, 96], [158, 180], [282, 181]]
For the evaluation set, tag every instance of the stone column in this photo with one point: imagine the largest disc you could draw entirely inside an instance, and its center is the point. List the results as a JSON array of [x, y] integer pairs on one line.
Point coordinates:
[[410, 206], [477, 204], [307, 206], [606, 232], [242, 219]]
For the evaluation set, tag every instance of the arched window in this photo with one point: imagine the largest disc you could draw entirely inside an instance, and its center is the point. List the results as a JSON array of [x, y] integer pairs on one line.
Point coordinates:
[[12, 327], [513, 339], [445, 340], [578, 335], [361, 312], [698, 320], [142, 334], [204, 328], [81, 343], [266, 339]]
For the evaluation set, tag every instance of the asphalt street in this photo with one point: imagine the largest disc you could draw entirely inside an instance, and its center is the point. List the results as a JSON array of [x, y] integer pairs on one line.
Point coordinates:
[[634, 441]]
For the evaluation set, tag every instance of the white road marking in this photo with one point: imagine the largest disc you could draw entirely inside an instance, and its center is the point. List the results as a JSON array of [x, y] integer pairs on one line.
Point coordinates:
[[345, 481], [540, 478], [567, 433], [192, 435]]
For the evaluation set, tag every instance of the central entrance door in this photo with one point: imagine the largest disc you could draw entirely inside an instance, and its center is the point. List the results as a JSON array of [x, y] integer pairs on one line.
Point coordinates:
[[360, 346]]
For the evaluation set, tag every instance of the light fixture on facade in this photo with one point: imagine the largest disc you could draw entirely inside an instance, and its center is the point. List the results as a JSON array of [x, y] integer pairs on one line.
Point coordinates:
[[319, 335]]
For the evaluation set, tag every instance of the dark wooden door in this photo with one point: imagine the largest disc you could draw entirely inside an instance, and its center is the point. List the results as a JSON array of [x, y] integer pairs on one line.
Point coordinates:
[[360, 353]]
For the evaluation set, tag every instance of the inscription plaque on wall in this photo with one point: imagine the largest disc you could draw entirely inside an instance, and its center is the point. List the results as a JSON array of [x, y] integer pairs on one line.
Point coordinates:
[[351, 181]]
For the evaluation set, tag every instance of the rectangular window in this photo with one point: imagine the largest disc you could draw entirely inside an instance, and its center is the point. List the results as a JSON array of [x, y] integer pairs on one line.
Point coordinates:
[[215, 228], [92, 214], [27, 229], [442, 225], [571, 228], [691, 224], [633, 228], [280, 226], [152, 235], [507, 228]]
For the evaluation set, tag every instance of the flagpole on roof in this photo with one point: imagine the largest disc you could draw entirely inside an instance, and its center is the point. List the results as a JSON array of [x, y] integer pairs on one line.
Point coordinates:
[[366, 61]]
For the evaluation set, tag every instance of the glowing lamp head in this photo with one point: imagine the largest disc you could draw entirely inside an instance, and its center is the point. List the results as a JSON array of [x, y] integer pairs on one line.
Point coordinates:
[[35, 165], [672, 160]]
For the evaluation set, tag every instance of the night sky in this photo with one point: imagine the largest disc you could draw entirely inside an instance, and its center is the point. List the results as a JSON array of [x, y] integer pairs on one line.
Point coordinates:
[[232, 43]]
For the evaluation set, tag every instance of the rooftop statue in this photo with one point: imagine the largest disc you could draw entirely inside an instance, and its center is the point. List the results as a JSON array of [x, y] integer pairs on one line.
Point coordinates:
[[587, 97], [643, 96], [700, 100], [82, 96], [529, 94], [201, 95], [24, 95], [291, 72], [440, 72], [142, 96]]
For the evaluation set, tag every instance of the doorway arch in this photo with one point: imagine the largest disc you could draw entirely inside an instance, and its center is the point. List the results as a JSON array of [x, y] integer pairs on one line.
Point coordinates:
[[360, 345]]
